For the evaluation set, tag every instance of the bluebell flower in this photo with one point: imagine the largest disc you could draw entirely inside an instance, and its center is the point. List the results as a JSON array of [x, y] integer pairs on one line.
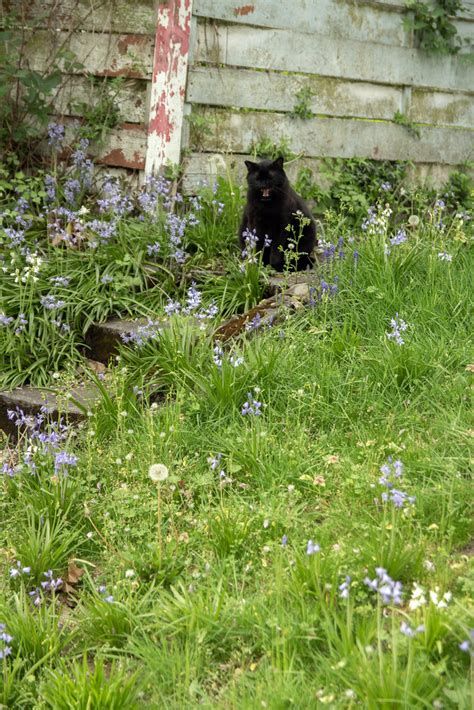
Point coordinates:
[[193, 300], [407, 630], [254, 323], [6, 320], [60, 280], [103, 590], [19, 570], [51, 303], [50, 187], [468, 645], [398, 326], [214, 461], [105, 230], [444, 256], [114, 199], [51, 584], [16, 236], [284, 541], [344, 588], [251, 406], [56, 135], [218, 355], [72, 188], [143, 334], [312, 548], [389, 590], [172, 307], [399, 238], [153, 249], [62, 460]]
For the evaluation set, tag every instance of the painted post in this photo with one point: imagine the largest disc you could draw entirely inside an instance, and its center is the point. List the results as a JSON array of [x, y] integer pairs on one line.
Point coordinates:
[[170, 65]]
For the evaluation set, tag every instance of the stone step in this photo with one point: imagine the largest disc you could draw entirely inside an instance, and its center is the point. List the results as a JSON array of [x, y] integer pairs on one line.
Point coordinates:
[[279, 283], [103, 339], [72, 406], [287, 296]]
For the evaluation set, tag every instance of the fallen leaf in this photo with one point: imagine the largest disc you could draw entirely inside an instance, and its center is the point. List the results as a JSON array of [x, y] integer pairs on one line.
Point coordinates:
[[74, 573]]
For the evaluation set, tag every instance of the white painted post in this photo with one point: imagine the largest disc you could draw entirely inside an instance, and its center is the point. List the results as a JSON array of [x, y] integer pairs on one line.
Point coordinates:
[[170, 65]]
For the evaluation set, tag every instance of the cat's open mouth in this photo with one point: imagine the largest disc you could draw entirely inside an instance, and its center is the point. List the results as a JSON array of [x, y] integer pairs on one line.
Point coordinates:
[[266, 193]]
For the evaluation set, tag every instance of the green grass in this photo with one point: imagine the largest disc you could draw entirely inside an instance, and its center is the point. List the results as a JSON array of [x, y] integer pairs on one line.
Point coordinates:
[[209, 607]]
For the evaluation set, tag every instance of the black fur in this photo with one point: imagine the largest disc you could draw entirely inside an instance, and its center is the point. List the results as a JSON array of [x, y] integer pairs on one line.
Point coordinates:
[[271, 206]]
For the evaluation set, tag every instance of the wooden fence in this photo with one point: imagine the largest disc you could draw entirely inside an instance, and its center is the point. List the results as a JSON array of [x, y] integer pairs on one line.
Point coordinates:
[[233, 71]]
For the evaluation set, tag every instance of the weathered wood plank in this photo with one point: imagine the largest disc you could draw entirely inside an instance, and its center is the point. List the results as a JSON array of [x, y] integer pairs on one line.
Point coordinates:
[[467, 10], [273, 91], [335, 137], [123, 17], [129, 99], [327, 17], [124, 147], [199, 168], [287, 50], [100, 54], [447, 109], [206, 167]]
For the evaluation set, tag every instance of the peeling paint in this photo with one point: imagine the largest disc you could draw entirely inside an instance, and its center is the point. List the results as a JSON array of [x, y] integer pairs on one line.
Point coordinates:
[[127, 41], [168, 84], [117, 158], [244, 10]]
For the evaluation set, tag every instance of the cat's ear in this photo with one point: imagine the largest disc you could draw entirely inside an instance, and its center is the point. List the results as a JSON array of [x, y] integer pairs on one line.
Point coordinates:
[[278, 163], [251, 167]]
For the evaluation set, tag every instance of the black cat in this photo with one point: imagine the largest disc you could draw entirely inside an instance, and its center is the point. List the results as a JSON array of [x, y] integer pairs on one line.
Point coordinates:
[[272, 205]]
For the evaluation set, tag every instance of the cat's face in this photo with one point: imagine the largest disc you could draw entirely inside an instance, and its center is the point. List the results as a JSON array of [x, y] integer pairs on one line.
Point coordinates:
[[266, 179]]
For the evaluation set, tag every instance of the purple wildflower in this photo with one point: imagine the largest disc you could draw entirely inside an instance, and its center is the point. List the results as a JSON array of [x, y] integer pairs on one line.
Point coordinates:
[[7, 470], [60, 280], [56, 135], [153, 249], [50, 186], [399, 238], [143, 334], [172, 307], [51, 584], [251, 406], [398, 326], [344, 588], [114, 200], [218, 355], [444, 256], [6, 320], [193, 300], [51, 303], [312, 548], [19, 570], [389, 590], [254, 323], [16, 236], [105, 230], [62, 460], [72, 188], [407, 630]]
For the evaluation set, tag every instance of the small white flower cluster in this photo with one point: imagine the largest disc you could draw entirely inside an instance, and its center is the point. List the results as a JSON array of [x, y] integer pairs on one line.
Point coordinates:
[[419, 598]]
